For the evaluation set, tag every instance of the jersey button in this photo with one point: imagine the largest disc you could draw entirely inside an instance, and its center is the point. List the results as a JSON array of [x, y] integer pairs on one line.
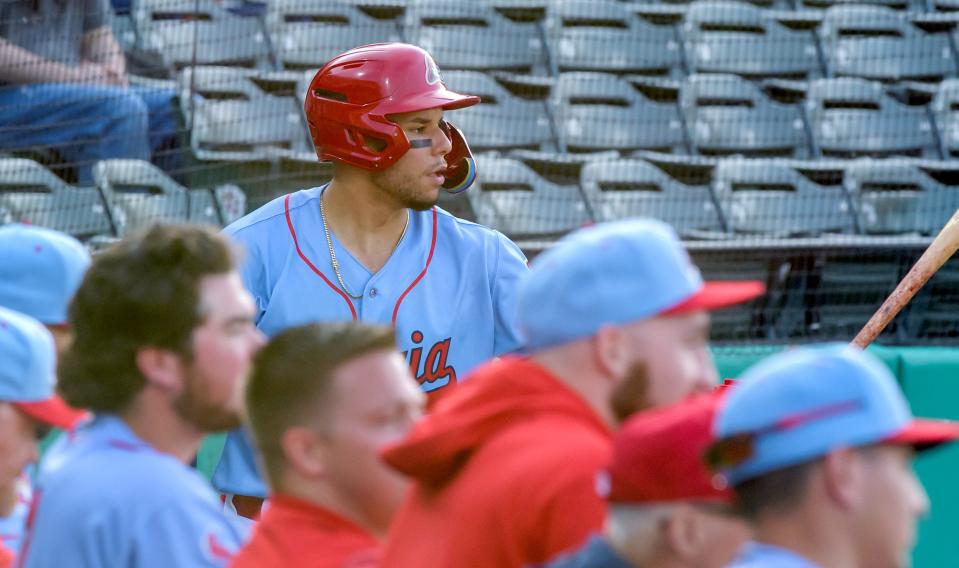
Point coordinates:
[[373, 292]]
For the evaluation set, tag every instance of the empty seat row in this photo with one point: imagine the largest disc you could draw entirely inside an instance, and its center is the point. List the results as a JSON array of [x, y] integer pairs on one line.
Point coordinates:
[[720, 36], [715, 115], [233, 118], [128, 195], [767, 197]]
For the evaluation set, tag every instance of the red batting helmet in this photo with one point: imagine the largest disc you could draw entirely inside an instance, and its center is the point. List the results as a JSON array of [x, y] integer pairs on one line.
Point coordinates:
[[350, 97]]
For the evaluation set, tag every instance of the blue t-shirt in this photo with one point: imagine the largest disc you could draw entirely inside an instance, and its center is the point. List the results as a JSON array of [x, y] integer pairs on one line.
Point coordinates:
[[105, 498], [758, 555], [596, 553], [448, 287]]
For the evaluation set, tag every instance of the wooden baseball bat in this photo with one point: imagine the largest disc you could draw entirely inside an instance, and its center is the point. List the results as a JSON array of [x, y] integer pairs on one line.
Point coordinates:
[[940, 250]]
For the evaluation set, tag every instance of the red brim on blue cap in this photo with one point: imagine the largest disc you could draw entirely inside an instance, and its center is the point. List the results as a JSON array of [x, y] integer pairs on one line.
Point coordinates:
[[716, 295], [924, 434], [53, 411]]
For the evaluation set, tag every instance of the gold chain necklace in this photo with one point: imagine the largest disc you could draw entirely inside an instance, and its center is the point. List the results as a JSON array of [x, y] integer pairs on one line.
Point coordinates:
[[336, 264]]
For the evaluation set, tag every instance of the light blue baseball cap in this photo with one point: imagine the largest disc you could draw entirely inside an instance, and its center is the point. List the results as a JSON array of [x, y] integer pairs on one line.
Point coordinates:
[[615, 273], [801, 404], [40, 272], [27, 370]]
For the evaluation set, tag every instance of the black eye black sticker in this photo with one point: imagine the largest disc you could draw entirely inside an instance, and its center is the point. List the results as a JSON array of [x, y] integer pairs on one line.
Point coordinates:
[[421, 143]]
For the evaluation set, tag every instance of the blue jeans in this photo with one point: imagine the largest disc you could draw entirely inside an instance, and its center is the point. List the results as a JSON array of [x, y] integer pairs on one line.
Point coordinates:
[[86, 123]]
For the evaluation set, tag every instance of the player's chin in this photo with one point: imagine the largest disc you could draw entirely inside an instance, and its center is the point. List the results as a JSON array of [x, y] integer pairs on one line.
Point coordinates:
[[425, 198]]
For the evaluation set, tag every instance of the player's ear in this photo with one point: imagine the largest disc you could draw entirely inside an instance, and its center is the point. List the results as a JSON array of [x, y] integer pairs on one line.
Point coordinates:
[[610, 351], [842, 473], [683, 531], [161, 368], [303, 451]]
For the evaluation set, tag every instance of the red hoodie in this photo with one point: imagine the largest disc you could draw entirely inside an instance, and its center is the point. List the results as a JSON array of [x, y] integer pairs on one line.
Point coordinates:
[[504, 473], [296, 534]]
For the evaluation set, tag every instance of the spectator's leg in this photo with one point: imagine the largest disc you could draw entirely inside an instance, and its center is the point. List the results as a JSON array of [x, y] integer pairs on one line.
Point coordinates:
[[164, 127], [85, 123]]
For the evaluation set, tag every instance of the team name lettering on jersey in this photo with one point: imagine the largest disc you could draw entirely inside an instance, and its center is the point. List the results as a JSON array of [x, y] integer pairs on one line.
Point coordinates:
[[432, 371]]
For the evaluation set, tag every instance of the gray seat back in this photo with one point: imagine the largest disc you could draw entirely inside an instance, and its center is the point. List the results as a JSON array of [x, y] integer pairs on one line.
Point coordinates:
[[769, 197], [877, 42], [30, 193], [587, 35], [308, 33], [512, 198], [626, 188], [471, 35], [727, 115], [502, 121], [735, 37], [852, 117], [896, 197], [598, 111]]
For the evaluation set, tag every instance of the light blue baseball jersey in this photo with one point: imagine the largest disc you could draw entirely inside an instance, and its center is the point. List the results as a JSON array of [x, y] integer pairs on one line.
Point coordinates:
[[449, 289], [105, 498], [758, 555]]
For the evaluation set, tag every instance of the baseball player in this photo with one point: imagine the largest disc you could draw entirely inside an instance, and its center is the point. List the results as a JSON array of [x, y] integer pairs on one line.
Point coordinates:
[[39, 273], [323, 400], [664, 508], [818, 446], [163, 336], [615, 320], [28, 404], [371, 245]]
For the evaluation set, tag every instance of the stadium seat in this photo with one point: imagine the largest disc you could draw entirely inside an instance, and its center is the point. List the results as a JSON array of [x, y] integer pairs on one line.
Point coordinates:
[[945, 108], [911, 6], [768, 197], [29, 193], [598, 111], [502, 121], [855, 117], [512, 198], [736, 37], [199, 32], [635, 188], [472, 35], [308, 33], [877, 42], [147, 195], [234, 120], [725, 114], [895, 196], [601, 35]]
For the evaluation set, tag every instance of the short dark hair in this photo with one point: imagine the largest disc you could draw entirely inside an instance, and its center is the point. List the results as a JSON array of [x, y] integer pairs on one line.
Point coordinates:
[[292, 376], [141, 292], [775, 491]]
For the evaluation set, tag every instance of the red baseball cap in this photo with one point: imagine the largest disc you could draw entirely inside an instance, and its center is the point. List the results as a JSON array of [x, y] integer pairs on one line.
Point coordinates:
[[658, 455]]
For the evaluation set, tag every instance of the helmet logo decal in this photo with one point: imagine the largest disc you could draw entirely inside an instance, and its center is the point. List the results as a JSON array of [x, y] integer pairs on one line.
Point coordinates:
[[432, 71]]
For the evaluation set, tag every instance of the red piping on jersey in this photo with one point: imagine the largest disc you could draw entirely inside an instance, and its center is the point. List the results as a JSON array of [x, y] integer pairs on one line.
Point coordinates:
[[289, 223], [429, 259], [396, 308]]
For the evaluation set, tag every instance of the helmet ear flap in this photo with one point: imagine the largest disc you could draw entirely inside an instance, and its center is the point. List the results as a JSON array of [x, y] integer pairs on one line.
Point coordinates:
[[460, 165]]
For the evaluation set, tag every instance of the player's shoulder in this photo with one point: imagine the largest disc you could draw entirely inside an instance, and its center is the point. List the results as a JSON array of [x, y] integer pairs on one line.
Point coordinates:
[[116, 469], [469, 232], [273, 213]]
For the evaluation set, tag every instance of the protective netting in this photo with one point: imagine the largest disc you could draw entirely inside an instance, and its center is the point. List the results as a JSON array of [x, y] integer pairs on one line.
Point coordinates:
[[805, 143]]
